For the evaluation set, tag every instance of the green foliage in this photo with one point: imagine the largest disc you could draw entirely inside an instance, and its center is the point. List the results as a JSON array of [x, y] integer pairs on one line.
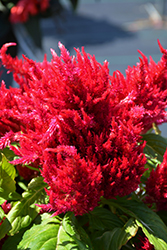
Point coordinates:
[[116, 238], [43, 236], [155, 147], [7, 178], [24, 211], [154, 151], [101, 219], [56, 233], [152, 225], [12, 242], [77, 234], [9, 154]]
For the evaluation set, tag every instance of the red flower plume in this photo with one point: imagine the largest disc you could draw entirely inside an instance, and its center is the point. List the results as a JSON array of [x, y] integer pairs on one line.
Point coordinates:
[[80, 125]]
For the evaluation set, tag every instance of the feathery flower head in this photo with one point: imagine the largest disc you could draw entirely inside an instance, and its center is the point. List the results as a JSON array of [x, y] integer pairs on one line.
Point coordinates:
[[80, 125], [144, 90]]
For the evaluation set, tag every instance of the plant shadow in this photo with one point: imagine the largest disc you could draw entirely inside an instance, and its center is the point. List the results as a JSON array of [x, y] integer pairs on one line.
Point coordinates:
[[76, 30]]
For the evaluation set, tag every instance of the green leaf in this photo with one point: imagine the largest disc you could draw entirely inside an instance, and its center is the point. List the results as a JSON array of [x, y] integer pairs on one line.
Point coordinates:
[[158, 243], [2, 214], [155, 147], [12, 242], [2, 200], [116, 238], [83, 220], [149, 221], [41, 237], [22, 185], [7, 176], [8, 153], [65, 241], [4, 228], [25, 210], [53, 233], [14, 196], [103, 219], [163, 215], [77, 234]]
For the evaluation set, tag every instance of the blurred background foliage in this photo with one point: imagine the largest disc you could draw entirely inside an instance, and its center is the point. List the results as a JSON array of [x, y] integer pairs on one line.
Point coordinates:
[[32, 25]]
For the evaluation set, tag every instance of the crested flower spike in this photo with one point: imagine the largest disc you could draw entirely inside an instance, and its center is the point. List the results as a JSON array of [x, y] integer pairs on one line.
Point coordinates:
[[81, 126]]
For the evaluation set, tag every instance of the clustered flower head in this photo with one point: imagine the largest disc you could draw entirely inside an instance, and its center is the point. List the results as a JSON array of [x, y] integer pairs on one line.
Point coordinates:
[[156, 187], [81, 126], [25, 8], [144, 90]]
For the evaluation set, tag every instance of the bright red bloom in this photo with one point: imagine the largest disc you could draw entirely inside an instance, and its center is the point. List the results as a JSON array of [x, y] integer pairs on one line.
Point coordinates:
[[156, 187], [25, 8], [144, 90], [75, 184], [81, 126]]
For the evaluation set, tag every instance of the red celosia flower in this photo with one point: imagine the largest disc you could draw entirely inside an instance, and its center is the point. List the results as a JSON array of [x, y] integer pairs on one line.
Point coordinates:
[[80, 128], [144, 244], [25, 8], [156, 187], [143, 90], [75, 184]]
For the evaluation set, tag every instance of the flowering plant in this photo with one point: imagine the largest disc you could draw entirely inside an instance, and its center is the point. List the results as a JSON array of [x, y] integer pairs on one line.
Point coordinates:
[[83, 164]]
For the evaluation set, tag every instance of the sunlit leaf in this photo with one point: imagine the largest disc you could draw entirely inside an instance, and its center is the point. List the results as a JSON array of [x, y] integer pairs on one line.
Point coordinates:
[[25, 210], [55, 233], [116, 238], [77, 234], [43, 236], [149, 221], [7, 178]]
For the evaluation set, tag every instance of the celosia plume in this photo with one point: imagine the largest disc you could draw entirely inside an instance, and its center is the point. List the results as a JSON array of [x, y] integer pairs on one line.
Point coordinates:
[[144, 90], [156, 187], [75, 184], [80, 125]]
